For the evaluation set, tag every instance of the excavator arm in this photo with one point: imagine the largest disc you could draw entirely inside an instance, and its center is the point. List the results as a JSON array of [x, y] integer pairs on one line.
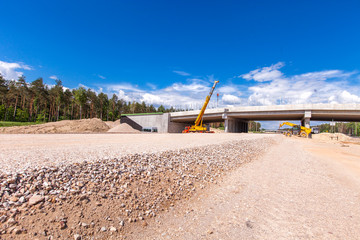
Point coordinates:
[[304, 131], [287, 123]]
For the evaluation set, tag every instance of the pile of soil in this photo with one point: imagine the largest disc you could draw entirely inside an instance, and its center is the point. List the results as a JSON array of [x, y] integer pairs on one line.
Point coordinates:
[[217, 130], [123, 128], [335, 136], [65, 126], [112, 124]]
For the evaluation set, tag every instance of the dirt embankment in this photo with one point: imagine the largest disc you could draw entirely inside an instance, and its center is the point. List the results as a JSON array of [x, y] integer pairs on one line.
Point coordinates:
[[330, 137], [66, 126], [93, 125], [123, 128]]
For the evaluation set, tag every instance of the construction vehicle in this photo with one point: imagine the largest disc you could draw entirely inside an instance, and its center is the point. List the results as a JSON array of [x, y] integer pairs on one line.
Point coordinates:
[[199, 127], [296, 130]]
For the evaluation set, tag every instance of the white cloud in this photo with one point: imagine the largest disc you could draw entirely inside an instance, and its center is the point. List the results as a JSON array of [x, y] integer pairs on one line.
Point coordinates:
[[264, 74], [271, 87], [230, 99], [10, 70], [344, 97], [123, 96], [182, 73], [149, 98], [192, 87], [178, 95], [314, 87], [122, 86], [152, 86], [228, 89], [53, 77], [102, 77]]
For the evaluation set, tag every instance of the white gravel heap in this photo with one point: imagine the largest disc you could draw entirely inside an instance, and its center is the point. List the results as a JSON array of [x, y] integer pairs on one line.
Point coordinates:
[[149, 180]]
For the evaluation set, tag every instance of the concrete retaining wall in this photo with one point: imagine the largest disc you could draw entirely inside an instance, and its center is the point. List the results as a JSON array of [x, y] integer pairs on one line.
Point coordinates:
[[160, 121]]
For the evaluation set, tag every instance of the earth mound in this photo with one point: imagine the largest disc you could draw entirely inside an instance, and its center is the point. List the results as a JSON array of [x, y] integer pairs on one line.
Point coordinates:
[[123, 128], [112, 124], [93, 125]]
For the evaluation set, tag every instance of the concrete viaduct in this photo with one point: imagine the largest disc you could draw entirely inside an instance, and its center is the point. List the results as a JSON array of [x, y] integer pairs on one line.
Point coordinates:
[[236, 118]]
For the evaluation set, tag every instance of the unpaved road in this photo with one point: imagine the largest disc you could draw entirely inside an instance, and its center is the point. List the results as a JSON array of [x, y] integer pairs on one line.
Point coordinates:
[[300, 189]]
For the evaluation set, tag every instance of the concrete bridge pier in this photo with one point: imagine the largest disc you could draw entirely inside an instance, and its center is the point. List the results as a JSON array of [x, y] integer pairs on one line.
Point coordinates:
[[305, 122], [233, 125]]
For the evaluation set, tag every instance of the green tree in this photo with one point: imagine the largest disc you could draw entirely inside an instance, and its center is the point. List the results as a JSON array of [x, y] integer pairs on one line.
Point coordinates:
[[161, 108], [80, 98], [3, 89], [93, 102], [104, 104], [2, 112], [254, 126]]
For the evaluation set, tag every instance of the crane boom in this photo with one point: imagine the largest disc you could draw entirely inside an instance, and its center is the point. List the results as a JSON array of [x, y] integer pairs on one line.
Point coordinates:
[[201, 114], [198, 126]]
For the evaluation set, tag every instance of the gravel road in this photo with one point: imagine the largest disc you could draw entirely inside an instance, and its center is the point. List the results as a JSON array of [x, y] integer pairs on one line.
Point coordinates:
[[290, 193], [21, 151]]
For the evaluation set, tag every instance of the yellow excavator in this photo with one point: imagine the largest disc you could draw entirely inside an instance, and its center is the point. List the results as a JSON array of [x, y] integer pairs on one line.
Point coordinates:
[[296, 130], [199, 127]]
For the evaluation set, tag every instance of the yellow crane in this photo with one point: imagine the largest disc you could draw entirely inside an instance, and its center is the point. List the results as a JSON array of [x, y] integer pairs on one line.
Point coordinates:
[[199, 126], [300, 130]]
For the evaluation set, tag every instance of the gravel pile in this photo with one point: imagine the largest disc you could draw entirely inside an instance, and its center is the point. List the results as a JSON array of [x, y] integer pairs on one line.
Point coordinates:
[[102, 198]]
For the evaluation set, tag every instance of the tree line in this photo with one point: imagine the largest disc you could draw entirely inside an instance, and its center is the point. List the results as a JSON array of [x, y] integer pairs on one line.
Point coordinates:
[[37, 102]]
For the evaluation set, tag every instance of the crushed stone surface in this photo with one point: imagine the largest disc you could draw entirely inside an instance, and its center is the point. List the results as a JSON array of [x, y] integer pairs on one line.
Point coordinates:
[[21, 151], [108, 197]]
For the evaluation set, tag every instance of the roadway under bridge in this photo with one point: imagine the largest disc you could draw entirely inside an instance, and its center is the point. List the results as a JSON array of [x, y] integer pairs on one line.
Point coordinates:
[[236, 118]]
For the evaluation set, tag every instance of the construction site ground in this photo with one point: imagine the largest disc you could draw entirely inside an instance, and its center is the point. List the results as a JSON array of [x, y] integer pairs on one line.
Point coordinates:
[[283, 188], [300, 189]]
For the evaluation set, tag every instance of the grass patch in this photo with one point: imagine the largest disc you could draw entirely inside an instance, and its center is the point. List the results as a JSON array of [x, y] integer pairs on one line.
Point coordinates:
[[133, 114], [15, 124]]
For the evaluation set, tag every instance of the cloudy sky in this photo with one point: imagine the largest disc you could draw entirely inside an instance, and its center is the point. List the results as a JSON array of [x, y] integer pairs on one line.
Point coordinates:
[[170, 53]]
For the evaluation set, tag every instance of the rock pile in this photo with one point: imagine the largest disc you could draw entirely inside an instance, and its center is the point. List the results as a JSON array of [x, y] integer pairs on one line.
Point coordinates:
[[103, 197]]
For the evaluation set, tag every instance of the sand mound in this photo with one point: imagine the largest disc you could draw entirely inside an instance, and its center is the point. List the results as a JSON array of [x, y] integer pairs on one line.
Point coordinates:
[[123, 128], [216, 130], [65, 126], [112, 124], [335, 136]]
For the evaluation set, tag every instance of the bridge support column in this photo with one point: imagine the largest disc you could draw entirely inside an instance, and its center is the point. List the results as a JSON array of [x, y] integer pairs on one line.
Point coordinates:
[[226, 125], [235, 125], [305, 122]]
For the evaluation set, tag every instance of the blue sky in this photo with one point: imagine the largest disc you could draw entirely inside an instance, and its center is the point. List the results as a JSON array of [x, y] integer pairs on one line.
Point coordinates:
[[170, 52]]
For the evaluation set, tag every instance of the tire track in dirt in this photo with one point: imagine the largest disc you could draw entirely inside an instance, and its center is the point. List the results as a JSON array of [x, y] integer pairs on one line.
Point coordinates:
[[286, 194]]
